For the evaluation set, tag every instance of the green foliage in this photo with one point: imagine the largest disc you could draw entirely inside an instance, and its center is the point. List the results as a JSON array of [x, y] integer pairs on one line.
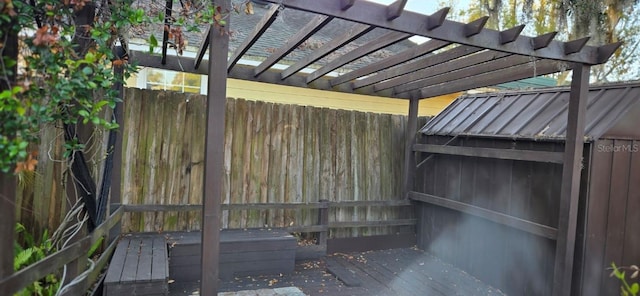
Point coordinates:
[[31, 252], [95, 247], [66, 68], [626, 288], [604, 21], [58, 82]]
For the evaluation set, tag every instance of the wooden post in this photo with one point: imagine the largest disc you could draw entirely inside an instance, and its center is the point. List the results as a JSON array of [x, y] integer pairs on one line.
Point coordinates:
[[8, 181], [409, 156], [323, 219], [116, 176], [7, 223], [214, 153], [570, 190]]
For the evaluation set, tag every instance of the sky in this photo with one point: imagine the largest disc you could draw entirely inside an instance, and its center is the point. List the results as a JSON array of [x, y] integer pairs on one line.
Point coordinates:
[[425, 7]]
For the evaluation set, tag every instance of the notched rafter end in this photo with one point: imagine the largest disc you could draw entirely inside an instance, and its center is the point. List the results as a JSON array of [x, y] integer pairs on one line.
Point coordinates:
[[543, 40], [606, 51], [394, 10], [475, 27], [574, 46], [437, 18], [510, 35], [346, 4]]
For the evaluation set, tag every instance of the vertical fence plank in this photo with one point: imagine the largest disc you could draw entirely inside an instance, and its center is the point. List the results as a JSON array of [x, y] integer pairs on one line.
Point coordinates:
[[385, 163], [358, 150], [373, 167], [343, 172], [245, 163], [396, 148], [237, 152], [281, 217], [265, 149], [175, 176], [161, 189], [228, 146], [183, 141], [141, 156], [275, 161], [197, 158], [293, 191], [255, 159], [152, 168], [327, 155], [311, 169]]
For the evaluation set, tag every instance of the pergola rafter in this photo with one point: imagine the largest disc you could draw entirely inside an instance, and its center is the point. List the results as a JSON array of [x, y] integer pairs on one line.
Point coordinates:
[[459, 57]]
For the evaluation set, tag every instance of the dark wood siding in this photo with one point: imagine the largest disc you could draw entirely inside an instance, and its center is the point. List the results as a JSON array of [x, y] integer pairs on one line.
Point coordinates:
[[518, 262], [611, 215]]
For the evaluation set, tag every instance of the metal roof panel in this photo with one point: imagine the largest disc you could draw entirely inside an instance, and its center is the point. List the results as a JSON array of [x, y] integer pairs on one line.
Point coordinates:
[[539, 114]]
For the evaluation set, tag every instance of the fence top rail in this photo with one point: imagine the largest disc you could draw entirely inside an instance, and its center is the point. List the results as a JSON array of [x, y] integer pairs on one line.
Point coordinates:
[[137, 208], [24, 277]]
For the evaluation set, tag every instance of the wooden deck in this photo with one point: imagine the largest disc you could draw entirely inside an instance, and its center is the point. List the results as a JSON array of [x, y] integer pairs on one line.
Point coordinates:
[[139, 267], [388, 272]]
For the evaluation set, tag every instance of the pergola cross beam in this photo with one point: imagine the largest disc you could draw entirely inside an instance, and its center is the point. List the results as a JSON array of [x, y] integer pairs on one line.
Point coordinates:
[[305, 33], [413, 23]]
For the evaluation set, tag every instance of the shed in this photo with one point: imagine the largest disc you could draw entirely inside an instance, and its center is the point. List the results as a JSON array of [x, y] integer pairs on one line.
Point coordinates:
[[488, 187]]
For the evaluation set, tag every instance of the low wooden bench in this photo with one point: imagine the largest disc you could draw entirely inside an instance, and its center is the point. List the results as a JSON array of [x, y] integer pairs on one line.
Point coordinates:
[[139, 267], [242, 253]]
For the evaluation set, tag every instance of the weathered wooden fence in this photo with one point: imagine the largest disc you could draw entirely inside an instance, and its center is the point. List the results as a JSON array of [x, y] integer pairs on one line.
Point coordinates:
[[42, 198], [273, 154]]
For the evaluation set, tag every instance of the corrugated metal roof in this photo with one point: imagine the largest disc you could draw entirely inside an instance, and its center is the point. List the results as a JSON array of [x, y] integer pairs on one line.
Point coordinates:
[[538, 114]]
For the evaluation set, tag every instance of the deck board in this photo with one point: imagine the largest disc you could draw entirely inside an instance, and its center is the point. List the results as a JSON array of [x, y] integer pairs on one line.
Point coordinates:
[[117, 263], [160, 265], [144, 262], [131, 262], [389, 272], [139, 267]]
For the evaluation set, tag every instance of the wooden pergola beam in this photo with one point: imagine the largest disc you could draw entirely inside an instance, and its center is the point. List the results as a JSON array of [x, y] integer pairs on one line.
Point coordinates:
[[394, 10], [352, 34], [261, 27], [346, 4], [409, 22], [245, 72], [371, 46], [436, 59], [543, 40], [605, 51], [475, 27], [201, 50], [489, 78], [407, 55], [574, 46], [510, 35], [409, 81], [570, 189], [437, 18], [317, 23], [413, 81]]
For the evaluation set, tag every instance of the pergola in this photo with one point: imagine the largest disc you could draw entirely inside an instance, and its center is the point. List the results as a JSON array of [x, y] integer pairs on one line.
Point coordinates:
[[458, 57]]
